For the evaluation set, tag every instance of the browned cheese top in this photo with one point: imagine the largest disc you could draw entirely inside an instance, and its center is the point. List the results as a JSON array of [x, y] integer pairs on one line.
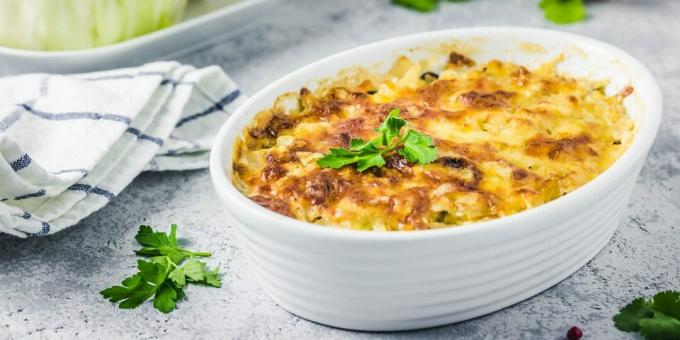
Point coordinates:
[[507, 139]]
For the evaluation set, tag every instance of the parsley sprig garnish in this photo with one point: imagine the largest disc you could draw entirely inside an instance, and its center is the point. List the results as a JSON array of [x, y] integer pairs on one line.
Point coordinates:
[[164, 277], [412, 145], [657, 318]]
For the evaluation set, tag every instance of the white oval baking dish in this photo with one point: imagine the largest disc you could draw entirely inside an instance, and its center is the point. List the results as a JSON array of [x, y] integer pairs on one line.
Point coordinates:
[[384, 281]]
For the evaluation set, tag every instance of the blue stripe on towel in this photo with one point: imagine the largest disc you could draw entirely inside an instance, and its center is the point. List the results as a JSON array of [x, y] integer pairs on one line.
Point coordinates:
[[218, 106], [75, 115], [45, 228], [12, 118], [21, 163], [31, 195], [91, 190], [82, 171], [124, 76], [152, 165], [168, 81], [141, 135], [164, 81]]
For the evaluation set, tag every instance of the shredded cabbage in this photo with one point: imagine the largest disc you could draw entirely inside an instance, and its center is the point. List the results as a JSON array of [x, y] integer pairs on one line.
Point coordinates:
[[79, 24]]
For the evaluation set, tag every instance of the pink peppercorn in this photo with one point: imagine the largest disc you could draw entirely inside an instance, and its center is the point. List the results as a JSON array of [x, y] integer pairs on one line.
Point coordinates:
[[574, 333]]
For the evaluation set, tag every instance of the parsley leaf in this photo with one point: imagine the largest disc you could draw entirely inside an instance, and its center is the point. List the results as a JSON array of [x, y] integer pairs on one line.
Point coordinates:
[[668, 302], [211, 277], [656, 318], [414, 146], [563, 11], [195, 271], [418, 148], [190, 269], [390, 127], [166, 297], [370, 160], [137, 288], [418, 5], [339, 157], [159, 243], [661, 327], [360, 145], [164, 276], [629, 317]]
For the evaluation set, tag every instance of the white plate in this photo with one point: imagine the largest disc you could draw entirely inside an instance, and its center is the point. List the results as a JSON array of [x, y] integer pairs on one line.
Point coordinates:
[[161, 44]]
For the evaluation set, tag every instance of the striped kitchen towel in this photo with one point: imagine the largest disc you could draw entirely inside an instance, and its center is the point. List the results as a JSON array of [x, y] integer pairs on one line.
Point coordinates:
[[70, 144]]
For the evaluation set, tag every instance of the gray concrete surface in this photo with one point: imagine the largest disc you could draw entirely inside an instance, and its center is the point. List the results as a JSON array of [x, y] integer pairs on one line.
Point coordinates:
[[49, 286]]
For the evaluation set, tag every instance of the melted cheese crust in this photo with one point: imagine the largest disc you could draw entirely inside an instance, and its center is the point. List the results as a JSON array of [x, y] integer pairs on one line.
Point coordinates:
[[507, 139]]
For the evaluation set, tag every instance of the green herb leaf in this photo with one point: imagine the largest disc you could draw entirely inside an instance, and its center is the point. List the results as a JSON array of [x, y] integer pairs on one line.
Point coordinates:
[[563, 11], [418, 5], [418, 148], [337, 158], [391, 127], [660, 327], [667, 302], [159, 243], [137, 288], [656, 319], [165, 298], [190, 269], [629, 317], [152, 272], [414, 146], [211, 277], [361, 146], [371, 160], [195, 271], [148, 238], [162, 278]]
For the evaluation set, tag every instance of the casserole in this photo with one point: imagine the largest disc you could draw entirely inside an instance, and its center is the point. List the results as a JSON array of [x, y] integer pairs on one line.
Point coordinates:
[[469, 142], [398, 281]]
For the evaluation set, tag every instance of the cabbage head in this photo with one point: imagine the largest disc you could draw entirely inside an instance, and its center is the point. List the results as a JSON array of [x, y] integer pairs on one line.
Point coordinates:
[[53, 25]]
